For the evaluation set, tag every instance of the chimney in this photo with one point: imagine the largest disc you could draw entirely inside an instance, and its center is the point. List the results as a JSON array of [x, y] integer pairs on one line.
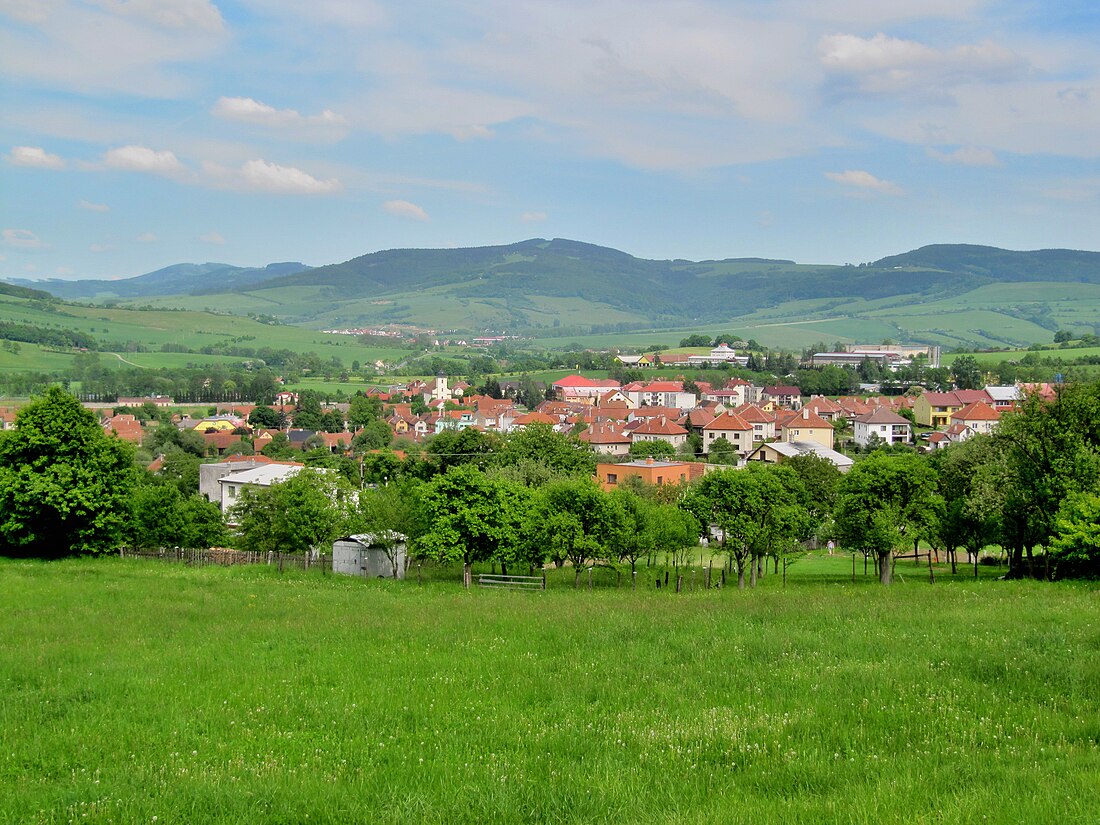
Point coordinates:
[[649, 460], [806, 412]]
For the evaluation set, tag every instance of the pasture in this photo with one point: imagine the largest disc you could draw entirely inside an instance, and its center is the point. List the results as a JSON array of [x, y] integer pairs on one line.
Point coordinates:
[[141, 692]]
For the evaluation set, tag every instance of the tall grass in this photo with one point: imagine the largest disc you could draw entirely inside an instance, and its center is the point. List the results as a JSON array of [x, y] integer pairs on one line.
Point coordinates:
[[140, 692]]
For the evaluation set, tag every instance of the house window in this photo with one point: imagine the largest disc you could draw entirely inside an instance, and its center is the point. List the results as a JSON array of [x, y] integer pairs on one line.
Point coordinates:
[[232, 491], [660, 480], [612, 478]]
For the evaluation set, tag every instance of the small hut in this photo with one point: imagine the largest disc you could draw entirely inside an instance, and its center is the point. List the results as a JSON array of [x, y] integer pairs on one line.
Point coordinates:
[[371, 555]]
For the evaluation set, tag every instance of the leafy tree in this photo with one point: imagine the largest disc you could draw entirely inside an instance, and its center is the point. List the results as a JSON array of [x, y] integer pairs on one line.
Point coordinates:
[[306, 510], [966, 373], [967, 516], [471, 518], [698, 340], [451, 448], [181, 469], [308, 414], [652, 449], [561, 454], [1076, 541], [722, 451], [1051, 449], [374, 435], [363, 410], [575, 521], [1063, 336], [279, 447], [638, 528], [161, 517], [64, 484], [264, 418], [332, 421], [394, 514], [886, 502], [381, 468]]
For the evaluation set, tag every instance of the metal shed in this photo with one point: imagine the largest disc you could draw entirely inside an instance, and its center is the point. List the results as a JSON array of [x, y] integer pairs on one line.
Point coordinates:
[[369, 555]]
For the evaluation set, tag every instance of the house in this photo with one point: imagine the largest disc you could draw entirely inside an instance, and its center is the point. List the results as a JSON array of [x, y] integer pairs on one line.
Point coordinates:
[[762, 422], [777, 452], [639, 361], [527, 419], [731, 426], [888, 426], [807, 425], [660, 394], [1004, 398], [660, 429], [829, 410], [370, 555], [211, 474], [221, 424], [606, 438], [650, 471], [783, 396], [126, 427], [154, 400], [721, 354], [577, 388], [934, 409], [978, 417]]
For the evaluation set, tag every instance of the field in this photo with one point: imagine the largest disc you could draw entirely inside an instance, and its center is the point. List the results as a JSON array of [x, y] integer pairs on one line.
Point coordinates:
[[140, 692]]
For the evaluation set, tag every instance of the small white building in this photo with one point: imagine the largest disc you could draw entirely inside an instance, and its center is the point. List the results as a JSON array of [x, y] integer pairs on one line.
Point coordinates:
[[378, 555], [265, 475]]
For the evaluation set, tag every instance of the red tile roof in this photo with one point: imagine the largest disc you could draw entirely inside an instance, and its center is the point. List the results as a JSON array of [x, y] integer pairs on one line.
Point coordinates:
[[728, 421]]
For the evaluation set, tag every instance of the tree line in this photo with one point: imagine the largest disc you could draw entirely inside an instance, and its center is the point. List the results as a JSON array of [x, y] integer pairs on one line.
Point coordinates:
[[67, 488]]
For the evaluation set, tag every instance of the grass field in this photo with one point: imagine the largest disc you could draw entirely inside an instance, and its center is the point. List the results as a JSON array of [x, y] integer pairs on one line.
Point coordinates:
[[140, 692]]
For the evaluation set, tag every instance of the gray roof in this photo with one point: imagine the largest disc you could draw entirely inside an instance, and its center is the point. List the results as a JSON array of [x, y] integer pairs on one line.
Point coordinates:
[[1004, 394], [881, 415], [790, 449], [265, 475]]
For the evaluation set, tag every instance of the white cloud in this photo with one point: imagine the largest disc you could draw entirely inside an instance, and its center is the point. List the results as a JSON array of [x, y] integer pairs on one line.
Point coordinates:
[[21, 239], [966, 156], [533, 217], [262, 176], [171, 14], [404, 209], [884, 65], [143, 159], [99, 247], [146, 237], [864, 181], [35, 157], [247, 110], [93, 207], [473, 132], [214, 238]]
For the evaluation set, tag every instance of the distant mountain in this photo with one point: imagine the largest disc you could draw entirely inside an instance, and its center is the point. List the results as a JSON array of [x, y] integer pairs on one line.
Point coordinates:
[[1000, 264], [178, 279], [568, 285]]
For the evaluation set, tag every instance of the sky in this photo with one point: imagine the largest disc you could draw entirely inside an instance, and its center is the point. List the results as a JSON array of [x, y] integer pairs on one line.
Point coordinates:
[[135, 134]]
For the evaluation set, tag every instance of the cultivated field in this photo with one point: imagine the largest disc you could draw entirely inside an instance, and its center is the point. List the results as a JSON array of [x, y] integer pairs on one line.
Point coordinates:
[[141, 692]]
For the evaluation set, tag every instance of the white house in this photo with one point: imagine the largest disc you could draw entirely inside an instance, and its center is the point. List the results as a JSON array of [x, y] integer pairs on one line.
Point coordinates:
[[890, 427], [265, 475]]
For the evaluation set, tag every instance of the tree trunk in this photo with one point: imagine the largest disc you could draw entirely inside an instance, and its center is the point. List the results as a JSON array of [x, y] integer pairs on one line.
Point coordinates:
[[504, 568], [740, 575], [884, 568], [577, 578], [754, 565]]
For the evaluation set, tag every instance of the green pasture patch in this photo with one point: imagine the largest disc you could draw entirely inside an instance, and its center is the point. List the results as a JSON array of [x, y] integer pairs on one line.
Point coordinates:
[[140, 691]]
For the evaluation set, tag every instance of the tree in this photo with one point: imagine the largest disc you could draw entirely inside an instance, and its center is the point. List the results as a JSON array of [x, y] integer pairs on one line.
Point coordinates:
[[562, 454], [471, 518], [574, 521], [722, 451], [394, 515], [305, 511], [64, 484], [307, 413], [454, 447], [885, 502], [264, 418], [161, 517], [966, 373], [374, 435], [652, 449], [967, 515], [363, 409], [1076, 541]]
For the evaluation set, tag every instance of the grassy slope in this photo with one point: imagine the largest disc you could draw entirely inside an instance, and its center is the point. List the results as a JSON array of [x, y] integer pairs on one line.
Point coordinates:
[[136, 693]]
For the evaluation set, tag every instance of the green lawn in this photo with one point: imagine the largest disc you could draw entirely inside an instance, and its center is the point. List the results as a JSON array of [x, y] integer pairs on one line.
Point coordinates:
[[141, 692]]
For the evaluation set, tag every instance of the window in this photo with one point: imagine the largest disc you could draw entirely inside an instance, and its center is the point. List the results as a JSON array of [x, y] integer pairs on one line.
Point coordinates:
[[612, 478], [232, 491]]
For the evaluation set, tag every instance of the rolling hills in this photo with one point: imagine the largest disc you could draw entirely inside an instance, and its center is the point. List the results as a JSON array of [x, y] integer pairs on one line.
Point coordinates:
[[955, 295]]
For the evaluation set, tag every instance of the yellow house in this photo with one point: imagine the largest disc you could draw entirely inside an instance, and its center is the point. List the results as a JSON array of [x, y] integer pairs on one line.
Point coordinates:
[[808, 426], [934, 409], [219, 423]]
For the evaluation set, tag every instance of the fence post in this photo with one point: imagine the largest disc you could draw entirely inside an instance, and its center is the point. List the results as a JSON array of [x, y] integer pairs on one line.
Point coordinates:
[[280, 562], [693, 579], [679, 583], [589, 578], [543, 579], [633, 579]]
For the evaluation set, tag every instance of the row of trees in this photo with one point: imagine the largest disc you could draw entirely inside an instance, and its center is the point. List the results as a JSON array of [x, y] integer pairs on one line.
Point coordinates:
[[67, 488]]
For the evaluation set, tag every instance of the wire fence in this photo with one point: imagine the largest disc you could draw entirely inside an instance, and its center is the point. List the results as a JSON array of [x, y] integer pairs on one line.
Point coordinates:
[[226, 557]]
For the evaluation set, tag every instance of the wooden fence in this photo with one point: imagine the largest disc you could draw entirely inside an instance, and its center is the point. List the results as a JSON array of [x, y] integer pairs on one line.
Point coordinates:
[[223, 557], [501, 582]]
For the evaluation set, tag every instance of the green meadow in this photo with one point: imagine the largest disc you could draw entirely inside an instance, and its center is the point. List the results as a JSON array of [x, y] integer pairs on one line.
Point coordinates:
[[136, 691]]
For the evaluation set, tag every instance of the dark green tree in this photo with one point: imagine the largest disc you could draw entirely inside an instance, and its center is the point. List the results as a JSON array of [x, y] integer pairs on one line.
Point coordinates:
[[64, 484]]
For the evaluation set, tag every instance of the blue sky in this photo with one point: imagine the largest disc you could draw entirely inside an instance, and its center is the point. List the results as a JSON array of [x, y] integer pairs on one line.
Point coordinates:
[[140, 133]]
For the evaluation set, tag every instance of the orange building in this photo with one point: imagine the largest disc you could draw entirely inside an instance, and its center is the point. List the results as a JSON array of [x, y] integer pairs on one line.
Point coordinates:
[[650, 471]]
